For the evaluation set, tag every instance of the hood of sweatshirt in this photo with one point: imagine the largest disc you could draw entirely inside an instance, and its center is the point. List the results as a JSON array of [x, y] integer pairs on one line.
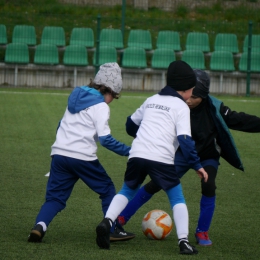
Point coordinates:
[[169, 91], [82, 98]]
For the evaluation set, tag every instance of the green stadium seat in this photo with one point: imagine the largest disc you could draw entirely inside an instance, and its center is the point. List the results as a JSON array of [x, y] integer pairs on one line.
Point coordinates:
[[106, 54], [195, 58], [46, 54], [134, 57], [168, 40], [255, 43], [17, 53], [222, 61], [24, 34], [111, 37], [53, 35], [3, 34], [75, 55], [82, 36], [255, 62], [198, 41], [140, 38], [226, 42], [162, 58]]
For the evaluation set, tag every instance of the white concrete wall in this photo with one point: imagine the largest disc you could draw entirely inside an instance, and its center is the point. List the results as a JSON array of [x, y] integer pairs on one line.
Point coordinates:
[[167, 5], [133, 79]]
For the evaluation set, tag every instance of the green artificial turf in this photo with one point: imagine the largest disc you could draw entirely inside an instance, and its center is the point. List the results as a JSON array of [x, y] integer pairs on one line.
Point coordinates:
[[28, 121]]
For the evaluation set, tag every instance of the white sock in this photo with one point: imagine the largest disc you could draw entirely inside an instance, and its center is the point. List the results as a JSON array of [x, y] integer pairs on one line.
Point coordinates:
[[44, 227], [181, 220], [116, 206]]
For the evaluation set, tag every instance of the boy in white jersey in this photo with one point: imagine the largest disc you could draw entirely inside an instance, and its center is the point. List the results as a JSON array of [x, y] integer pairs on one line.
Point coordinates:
[[84, 122], [160, 125]]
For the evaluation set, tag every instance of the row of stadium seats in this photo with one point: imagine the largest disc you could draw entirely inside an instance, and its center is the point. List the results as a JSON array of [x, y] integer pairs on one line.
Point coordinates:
[[136, 38], [132, 57]]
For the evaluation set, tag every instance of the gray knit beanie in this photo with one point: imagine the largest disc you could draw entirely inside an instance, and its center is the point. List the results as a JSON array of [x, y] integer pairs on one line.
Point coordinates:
[[109, 75]]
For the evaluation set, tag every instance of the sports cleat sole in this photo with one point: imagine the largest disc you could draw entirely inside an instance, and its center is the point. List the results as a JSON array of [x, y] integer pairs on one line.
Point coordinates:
[[114, 239], [200, 244], [101, 238], [188, 253], [35, 236]]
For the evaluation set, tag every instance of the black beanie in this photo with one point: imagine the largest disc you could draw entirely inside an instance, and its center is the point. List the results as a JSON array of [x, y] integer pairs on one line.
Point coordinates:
[[180, 76], [202, 86]]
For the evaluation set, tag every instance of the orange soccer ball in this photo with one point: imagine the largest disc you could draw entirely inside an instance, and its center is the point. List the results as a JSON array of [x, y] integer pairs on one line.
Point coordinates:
[[157, 224]]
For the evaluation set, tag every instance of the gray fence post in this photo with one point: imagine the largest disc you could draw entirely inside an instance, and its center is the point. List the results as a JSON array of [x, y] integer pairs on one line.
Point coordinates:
[[98, 43], [123, 20], [250, 25]]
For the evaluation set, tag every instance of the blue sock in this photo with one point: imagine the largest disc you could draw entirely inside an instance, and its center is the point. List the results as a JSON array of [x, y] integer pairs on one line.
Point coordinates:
[[113, 227], [139, 199], [207, 207]]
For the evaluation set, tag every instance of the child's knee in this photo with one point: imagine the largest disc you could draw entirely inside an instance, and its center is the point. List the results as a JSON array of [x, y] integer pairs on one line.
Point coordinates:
[[175, 195], [128, 192]]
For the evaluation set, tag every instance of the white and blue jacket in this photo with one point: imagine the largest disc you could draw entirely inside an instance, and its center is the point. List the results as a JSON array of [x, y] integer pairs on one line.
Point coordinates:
[[84, 123]]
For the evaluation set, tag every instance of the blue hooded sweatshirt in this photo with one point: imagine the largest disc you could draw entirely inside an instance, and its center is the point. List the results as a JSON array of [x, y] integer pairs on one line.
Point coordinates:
[[84, 97]]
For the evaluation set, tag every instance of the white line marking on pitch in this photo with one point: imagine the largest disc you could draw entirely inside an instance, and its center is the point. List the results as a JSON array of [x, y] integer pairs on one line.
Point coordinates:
[[123, 96]]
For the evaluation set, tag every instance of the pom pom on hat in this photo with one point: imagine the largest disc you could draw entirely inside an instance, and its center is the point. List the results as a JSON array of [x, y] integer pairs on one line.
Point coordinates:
[[109, 75], [202, 86], [180, 76]]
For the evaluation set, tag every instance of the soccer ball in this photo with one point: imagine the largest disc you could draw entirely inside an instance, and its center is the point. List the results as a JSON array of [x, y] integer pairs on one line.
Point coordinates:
[[157, 224]]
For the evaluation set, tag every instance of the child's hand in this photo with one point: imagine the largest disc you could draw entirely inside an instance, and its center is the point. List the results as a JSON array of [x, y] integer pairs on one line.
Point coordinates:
[[202, 174]]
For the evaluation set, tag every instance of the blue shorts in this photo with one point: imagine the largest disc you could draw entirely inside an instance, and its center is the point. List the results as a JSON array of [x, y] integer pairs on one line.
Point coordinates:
[[181, 165], [164, 175]]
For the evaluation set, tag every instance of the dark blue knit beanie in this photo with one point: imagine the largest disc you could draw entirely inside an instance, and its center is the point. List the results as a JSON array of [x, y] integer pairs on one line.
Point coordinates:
[[202, 86]]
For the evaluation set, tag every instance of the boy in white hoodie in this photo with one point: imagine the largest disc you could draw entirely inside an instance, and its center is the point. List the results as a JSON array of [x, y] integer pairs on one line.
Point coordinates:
[[73, 153]]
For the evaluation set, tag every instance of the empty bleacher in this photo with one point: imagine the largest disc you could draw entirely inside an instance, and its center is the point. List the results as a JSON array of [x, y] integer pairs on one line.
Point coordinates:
[[194, 48], [79, 51]]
